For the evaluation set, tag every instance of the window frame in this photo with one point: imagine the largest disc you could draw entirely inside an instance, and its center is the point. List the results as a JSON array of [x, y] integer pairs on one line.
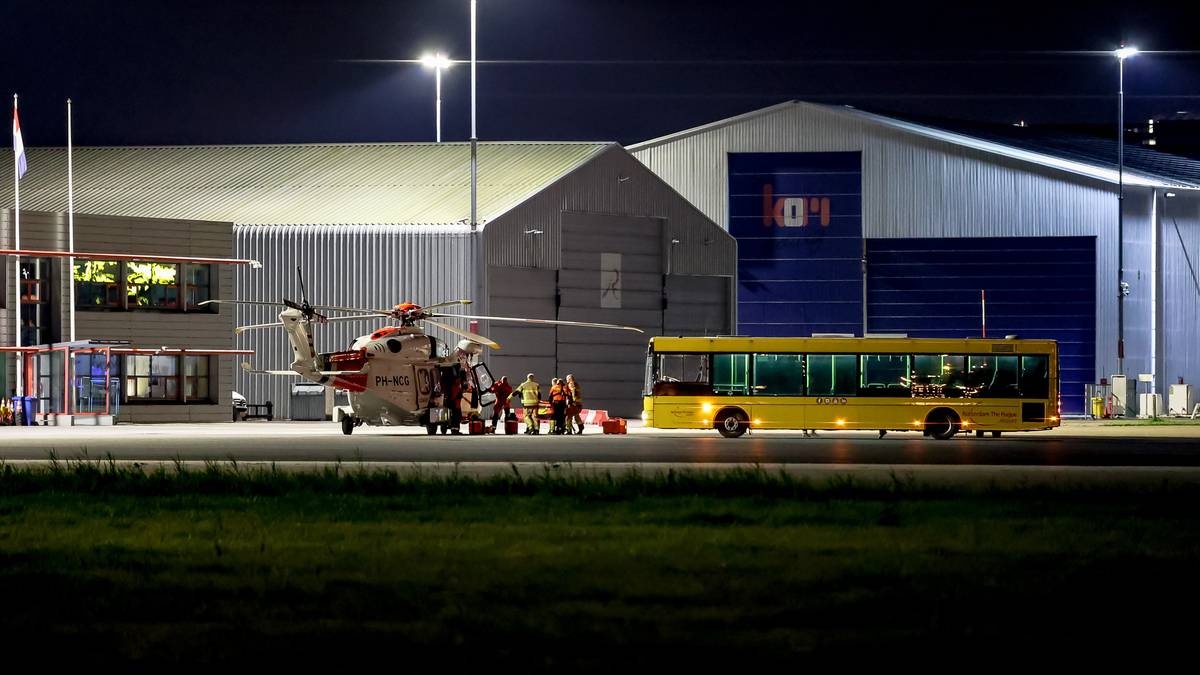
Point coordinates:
[[183, 288], [180, 379]]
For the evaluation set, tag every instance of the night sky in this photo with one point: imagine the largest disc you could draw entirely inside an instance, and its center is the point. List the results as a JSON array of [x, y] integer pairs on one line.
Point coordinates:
[[174, 72]]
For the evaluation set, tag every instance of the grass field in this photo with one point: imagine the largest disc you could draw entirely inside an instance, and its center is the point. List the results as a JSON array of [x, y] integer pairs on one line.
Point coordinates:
[[101, 564]]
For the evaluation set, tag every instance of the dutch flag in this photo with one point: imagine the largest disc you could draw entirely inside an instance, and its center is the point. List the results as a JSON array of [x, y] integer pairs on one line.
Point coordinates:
[[18, 145]]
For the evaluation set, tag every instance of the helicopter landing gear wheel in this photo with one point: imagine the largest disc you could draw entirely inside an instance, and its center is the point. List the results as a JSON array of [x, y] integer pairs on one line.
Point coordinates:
[[348, 425]]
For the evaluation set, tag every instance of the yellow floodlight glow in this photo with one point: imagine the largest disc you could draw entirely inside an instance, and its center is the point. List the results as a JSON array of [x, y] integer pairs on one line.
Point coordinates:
[[841, 422], [757, 422], [706, 407]]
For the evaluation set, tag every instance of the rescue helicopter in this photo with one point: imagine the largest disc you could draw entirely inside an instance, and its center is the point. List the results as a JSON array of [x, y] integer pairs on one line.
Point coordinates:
[[394, 376]]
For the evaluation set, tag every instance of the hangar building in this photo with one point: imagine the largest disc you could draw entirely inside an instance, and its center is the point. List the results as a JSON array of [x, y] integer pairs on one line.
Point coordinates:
[[573, 231], [853, 222]]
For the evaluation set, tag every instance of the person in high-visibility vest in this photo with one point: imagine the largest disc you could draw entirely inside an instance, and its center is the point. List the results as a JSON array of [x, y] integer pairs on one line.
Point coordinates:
[[575, 406], [558, 407], [531, 397]]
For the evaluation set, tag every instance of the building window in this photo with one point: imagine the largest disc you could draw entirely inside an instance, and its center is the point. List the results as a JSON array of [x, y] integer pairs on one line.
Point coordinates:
[[97, 284], [146, 285], [195, 378], [168, 379], [152, 285], [151, 378], [36, 315], [199, 285]]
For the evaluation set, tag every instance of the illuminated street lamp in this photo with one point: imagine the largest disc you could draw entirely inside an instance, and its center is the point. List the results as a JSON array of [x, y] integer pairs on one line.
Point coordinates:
[[439, 63], [1124, 52]]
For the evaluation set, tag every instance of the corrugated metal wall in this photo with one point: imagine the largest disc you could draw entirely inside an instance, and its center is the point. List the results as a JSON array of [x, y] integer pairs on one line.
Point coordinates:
[[373, 266], [1180, 246], [914, 186]]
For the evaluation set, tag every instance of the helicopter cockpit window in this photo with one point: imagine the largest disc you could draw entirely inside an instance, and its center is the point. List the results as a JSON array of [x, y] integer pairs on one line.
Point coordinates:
[[395, 346]]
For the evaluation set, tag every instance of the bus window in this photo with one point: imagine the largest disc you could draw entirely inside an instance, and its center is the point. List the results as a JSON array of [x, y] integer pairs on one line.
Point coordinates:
[[992, 376], [939, 376], [730, 374], [682, 375], [778, 375], [832, 375], [683, 367], [884, 375], [1035, 376]]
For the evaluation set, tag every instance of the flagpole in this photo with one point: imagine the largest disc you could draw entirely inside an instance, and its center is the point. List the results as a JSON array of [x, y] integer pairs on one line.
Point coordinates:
[[20, 388], [71, 218]]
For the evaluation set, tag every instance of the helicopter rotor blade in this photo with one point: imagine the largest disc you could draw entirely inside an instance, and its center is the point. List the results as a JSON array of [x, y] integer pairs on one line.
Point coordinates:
[[303, 290], [278, 324], [240, 302], [447, 303], [547, 322], [473, 337], [359, 310]]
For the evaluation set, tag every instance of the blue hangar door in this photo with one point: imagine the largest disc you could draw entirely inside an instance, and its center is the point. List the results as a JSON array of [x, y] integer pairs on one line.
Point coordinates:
[[797, 217], [1037, 287]]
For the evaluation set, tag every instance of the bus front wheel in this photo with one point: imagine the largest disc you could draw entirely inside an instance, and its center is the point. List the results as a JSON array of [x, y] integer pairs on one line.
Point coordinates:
[[731, 423], [942, 424]]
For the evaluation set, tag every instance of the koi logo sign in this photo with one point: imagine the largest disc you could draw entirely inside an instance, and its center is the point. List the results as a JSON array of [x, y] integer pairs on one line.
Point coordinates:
[[793, 211]]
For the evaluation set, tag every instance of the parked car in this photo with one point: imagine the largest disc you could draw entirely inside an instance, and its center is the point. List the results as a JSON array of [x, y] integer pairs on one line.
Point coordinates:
[[240, 408]]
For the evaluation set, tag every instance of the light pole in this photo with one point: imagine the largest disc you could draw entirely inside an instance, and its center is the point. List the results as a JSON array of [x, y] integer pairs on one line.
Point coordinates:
[[474, 138], [1124, 52], [439, 63]]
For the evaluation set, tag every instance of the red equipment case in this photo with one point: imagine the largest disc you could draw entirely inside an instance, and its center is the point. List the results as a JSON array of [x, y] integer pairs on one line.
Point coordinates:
[[614, 425]]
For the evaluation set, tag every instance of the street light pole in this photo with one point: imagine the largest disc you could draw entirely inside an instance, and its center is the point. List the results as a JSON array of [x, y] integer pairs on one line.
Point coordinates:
[[1122, 53], [474, 137], [438, 62], [437, 79]]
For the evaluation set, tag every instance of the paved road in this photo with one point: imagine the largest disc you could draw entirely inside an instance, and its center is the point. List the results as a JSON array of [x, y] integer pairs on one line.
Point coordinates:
[[1078, 445]]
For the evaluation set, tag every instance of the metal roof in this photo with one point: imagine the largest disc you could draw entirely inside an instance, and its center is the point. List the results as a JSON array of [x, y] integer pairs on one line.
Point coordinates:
[[1093, 157], [382, 183]]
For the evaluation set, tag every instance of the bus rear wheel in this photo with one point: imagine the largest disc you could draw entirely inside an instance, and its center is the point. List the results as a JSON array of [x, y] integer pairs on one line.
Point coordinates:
[[731, 423], [942, 424]]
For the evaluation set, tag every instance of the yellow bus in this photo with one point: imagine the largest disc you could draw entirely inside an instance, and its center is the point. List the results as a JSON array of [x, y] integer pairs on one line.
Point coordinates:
[[935, 386]]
